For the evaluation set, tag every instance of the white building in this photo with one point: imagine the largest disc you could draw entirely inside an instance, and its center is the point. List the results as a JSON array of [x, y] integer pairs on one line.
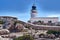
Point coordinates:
[[44, 19]]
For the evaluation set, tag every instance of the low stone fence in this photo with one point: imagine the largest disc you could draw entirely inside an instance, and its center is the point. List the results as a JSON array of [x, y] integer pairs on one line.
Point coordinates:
[[6, 39]]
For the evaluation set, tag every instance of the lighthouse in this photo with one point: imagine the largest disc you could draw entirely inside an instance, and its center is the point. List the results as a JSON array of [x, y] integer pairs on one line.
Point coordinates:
[[33, 11], [34, 17]]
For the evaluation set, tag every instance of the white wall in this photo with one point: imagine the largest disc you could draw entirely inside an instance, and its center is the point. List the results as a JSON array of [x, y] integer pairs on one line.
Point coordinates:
[[6, 39], [45, 19]]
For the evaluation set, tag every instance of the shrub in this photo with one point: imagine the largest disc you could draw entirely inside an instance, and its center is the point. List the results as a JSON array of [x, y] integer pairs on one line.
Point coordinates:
[[25, 37], [56, 33], [53, 32], [1, 22]]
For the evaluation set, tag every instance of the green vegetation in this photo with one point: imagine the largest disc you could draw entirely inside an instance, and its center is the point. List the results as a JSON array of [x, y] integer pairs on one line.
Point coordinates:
[[49, 32], [27, 26], [39, 21], [25, 37], [29, 21], [56, 33], [53, 32], [1, 22]]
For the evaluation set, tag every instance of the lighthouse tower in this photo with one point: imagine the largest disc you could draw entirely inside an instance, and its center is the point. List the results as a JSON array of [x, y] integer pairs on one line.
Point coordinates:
[[33, 11]]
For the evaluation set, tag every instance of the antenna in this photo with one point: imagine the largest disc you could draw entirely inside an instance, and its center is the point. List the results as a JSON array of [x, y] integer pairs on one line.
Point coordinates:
[[34, 2]]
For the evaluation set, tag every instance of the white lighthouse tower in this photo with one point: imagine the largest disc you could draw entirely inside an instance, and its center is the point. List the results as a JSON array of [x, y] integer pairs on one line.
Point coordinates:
[[33, 11]]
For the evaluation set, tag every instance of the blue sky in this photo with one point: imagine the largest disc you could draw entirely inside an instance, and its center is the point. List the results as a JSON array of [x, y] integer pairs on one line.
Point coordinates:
[[22, 8]]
